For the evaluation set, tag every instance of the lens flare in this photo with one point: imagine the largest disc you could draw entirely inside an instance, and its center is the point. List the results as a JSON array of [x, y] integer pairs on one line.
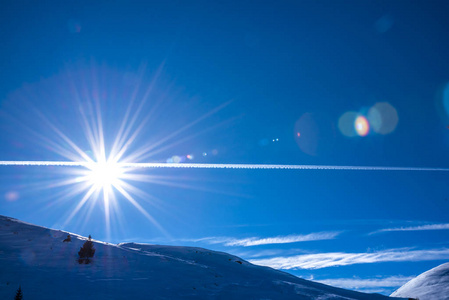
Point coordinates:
[[313, 133], [361, 126], [11, 196], [446, 98], [346, 124], [443, 103], [383, 118]]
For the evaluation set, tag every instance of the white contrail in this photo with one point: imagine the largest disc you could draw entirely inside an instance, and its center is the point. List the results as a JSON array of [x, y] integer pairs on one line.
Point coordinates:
[[222, 166], [45, 163]]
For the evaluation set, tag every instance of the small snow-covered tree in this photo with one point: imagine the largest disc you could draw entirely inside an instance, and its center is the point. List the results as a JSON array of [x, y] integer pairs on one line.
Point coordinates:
[[86, 252], [19, 295]]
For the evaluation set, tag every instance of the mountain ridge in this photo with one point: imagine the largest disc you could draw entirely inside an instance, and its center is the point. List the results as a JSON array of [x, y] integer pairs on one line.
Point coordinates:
[[430, 285], [37, 259]]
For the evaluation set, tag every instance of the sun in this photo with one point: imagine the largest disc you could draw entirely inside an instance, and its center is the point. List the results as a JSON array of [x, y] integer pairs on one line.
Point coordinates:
[[104, 175], [104, 163]]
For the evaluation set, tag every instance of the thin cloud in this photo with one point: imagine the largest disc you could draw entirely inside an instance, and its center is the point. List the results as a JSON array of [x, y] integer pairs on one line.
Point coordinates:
[[333, 259], [254, 241], [370, 283], [415, 228], [255, 253]]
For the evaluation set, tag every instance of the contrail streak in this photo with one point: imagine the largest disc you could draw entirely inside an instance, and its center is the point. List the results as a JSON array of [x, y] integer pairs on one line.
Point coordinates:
[[222, 166]]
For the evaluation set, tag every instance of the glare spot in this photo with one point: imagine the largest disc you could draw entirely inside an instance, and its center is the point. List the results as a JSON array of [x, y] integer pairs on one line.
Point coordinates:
[[74, 26], [11, 196], [189, 156], [383, 118], [361, 126], [346, 124], [446, 99], [175, 159], [383, 24], [317, 133], [204, 153], [103, 175]]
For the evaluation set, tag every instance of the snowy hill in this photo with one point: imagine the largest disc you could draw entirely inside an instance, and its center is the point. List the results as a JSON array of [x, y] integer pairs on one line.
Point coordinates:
[[47, 268], [430, 285]]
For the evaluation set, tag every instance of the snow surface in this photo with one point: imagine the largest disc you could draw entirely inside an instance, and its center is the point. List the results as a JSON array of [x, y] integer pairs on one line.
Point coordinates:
[[430, 285], [37, 259]]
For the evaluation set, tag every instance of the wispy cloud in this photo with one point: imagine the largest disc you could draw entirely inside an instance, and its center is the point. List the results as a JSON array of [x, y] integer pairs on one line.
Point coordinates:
[[415, 228], [253, 253], [256, 241], [370, 283], [283, 239], [332, 259]]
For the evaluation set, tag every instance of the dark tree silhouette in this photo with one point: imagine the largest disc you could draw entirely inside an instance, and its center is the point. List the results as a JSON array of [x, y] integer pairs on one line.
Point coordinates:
[[68, 239], [19, 295], [86, 252]]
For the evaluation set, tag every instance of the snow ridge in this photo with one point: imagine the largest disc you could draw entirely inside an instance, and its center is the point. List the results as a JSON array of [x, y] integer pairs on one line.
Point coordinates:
[[430, 285], [37, 259]]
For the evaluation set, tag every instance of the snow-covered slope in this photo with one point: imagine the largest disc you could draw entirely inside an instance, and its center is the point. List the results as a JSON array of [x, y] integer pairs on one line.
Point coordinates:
[[430, 285], [37, 259]]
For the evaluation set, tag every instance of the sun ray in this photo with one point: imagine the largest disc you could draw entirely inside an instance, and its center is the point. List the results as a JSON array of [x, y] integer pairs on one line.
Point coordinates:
[[44, 140], [91, 206], [100, 133], [146, 197], [143, 151], [126, 127], [125, 145], [170, 183], [106, 192], [80, 204], [88, 129], [140, 209], [180, 141], [81, 153]]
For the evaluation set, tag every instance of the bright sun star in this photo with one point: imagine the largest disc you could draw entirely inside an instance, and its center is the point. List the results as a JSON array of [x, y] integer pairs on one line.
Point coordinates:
[[104, 169], [104, 175]]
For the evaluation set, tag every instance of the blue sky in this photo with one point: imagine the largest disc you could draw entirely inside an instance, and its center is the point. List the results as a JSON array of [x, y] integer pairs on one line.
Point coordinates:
[[238, 83]]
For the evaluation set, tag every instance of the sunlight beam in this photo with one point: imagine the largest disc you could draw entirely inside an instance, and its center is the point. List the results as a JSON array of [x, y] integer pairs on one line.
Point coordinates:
[[80, 204], [140, 208], [143, 152]]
